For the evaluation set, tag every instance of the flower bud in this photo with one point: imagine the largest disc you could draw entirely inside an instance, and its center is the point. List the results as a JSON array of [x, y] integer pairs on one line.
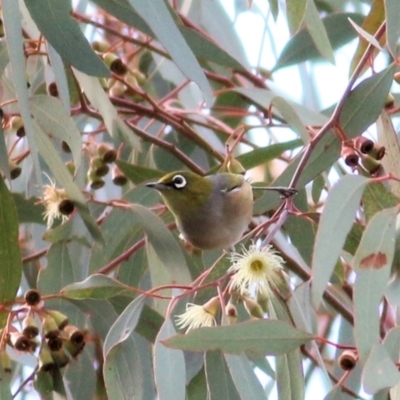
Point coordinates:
[[50, 328], [118, 177], [75, 335], [32, 297], [55, 344], [253, 308], [46, 362], [94, 181], [348, 360], [363, 145], [371, 165], [349, 156], [60, 319], [99, 167], [378, 152], [29, 327], [115, 64], [106, 153], [20, 342], [60, 357], [100, 46], [231, 313]]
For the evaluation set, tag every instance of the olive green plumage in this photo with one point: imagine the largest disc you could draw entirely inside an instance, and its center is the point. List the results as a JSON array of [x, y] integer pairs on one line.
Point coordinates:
[[212, 211]]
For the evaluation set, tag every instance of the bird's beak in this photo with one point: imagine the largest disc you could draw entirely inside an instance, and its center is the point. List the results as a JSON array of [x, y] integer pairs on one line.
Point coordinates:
[[157, 185]]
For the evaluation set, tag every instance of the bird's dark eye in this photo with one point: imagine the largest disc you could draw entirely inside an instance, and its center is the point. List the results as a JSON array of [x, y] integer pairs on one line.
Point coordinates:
[[179, 181]]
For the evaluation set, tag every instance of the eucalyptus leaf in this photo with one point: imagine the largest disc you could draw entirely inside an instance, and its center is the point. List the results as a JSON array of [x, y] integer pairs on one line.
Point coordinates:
[[372, 263], [54, 21], [263, 337], [339, 211], [10, 254]]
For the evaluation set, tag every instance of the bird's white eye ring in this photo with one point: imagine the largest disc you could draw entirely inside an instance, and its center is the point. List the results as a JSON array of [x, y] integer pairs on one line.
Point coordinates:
[[179, 181]]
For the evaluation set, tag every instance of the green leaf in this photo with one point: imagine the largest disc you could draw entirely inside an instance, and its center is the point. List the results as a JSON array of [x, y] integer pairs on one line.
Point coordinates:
[[376, 197], [387, 137], [301, 47], [100, 100], [290, 116], [263, 337], [365, 102], [94, 287], [244, 378], [335, 223], [380, 371], [169, 366], [28, 209], [124, 325], [264, 154], [219, 380], [317, 31], [136, 173], [372, 263], [158, 17], [264, 97], [15, 44], [53, 118], [122, 371], [4, 58], [295, 10], [164, 244], [392, 12], [10, 255], [53, 18], [371, 24]]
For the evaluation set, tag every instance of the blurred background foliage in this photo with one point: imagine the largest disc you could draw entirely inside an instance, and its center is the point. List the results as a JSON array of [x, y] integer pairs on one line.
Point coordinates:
[[98, 97]]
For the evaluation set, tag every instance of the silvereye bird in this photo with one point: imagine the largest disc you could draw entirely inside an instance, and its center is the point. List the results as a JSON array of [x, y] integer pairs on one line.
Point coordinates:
[[211, 212]]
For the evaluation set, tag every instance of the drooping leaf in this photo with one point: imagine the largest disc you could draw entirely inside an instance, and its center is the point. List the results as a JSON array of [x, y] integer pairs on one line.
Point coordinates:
[[54, 120], [336, 221], [371, 23], [380, 371], [301, 47], [365, 102], [392, 12], [317, 31], [159, 19], [54, 21], [296, 10], [219, 380], [247, 384], [372, 263], [10, 255], [387, 137], [169, 366]]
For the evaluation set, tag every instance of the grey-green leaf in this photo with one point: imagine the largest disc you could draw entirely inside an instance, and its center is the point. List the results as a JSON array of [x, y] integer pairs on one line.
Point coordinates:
[[263, 337], [336, 221], [158, 17], [10, 255], [372, 263], [54, 21]]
